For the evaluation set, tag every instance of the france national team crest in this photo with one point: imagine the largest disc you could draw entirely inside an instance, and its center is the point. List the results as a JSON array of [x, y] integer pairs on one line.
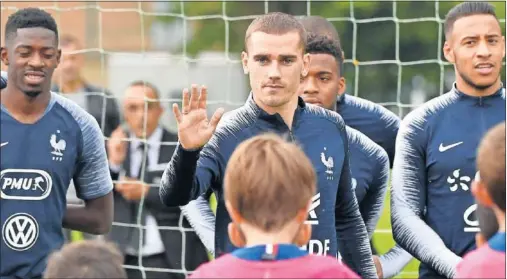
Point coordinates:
[[58, 146], [329, 163], [20, 231]]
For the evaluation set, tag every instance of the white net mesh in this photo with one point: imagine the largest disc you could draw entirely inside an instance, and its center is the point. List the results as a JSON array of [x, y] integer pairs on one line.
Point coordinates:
[[392, 50]]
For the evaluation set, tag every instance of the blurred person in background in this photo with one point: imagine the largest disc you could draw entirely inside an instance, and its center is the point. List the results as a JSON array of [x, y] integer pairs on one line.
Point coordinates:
[[268, 230], [68, 80], [138, 153], [432, 207], [89, 259]]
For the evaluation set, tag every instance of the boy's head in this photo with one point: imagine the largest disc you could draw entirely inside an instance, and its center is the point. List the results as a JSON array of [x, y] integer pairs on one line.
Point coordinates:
[[488, 224], [86, 259], [489, 185], [269, 184]]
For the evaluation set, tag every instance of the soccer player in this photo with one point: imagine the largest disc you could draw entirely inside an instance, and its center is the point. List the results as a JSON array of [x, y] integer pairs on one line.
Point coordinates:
[[373, 120], [275, 61], [268, 229], [432, 209], [369, 163], [46, 142], [488, 261]]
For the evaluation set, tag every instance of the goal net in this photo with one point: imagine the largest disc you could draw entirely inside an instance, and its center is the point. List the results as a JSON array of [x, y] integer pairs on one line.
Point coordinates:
[[393, 56]]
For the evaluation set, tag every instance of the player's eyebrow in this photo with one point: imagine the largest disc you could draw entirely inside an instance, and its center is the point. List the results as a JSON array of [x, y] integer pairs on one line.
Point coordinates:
[[324, 73], [476, 36], [285, 56], [30, 47]]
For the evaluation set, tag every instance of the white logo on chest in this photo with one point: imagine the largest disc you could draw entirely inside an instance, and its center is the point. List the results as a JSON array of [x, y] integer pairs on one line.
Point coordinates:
[[20, 231], [329, 163], [58, 147], [456, 180]]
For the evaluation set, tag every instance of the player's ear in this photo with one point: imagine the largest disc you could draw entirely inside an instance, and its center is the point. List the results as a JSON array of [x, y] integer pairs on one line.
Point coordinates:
[[480, 192], [342, 86], [244, 61], [3, 56], [236, 235], [479, 240], [448, 52], [233, 213], [58, 57], [306, 64], [305, 230], [503, 46]]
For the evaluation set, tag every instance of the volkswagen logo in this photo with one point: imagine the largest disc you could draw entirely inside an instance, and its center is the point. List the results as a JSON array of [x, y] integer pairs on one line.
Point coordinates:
[[20, 231]]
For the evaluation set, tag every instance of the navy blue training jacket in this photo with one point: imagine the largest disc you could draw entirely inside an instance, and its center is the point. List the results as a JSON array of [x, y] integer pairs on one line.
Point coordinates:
[[432, 207], [337, 223]]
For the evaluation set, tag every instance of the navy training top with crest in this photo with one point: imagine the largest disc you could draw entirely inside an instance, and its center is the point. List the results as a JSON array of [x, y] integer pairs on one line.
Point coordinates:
[[334, 214], [38, 163], [433, 210], [373, 120], [369, 166]]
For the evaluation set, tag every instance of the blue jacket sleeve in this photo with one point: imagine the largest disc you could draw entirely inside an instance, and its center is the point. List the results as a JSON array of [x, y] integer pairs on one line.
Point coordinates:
[[352, 238], [408, 200], [390, 145], [373, 202], [190, 174]]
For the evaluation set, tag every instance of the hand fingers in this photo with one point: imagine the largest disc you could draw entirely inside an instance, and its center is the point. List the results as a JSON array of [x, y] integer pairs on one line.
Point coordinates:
[[194, 97], [203, 97], [177, 113], [186, 101], [216, 118]]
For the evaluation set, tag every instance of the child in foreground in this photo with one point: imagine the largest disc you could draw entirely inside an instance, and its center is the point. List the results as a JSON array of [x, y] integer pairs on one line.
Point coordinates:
[[269, 184], [488, 261]]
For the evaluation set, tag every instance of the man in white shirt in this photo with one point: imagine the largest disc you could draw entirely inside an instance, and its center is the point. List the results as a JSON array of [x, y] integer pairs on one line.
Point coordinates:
[[138, 153]]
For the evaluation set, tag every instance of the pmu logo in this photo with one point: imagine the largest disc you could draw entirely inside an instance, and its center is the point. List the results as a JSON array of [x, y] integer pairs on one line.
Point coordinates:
[[25, 184], [20, 231]]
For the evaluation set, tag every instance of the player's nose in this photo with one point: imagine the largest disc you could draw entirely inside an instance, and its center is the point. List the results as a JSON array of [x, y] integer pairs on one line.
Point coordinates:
[[483, 49]]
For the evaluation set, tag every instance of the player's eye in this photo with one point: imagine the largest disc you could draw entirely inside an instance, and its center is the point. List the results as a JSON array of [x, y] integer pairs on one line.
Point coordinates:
[[492, 41], [262, 60], [324, 78], [288, 61], [48, 55], [24, 53], [469, 43]]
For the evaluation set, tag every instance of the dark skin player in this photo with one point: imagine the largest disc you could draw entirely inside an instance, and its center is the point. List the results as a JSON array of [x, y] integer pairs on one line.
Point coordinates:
[[31, 55]]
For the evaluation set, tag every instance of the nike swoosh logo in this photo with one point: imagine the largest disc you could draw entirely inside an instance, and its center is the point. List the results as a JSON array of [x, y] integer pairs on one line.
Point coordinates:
[[443, 148], [4, 143]]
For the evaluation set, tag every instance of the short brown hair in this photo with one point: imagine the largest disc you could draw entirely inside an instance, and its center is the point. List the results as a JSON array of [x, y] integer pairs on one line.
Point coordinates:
[[276, 23], [86, 259], [268, 180], [491, 163]]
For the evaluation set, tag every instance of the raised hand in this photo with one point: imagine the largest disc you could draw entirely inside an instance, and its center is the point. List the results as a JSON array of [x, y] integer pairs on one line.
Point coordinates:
[[194, 128], [117, 146]]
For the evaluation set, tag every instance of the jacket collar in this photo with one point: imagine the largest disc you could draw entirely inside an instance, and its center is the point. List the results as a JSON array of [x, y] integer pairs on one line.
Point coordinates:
[[274, 119], [478, 100]]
